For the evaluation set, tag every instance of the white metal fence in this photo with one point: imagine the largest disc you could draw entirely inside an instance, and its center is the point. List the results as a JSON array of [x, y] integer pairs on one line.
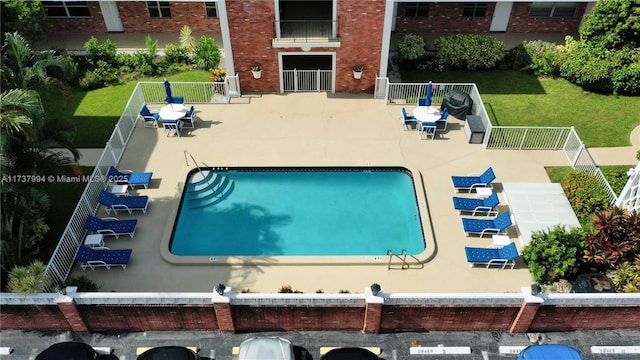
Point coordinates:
[[630, 195], [503, 137], [63, 257], [193, 92], [307, 80]]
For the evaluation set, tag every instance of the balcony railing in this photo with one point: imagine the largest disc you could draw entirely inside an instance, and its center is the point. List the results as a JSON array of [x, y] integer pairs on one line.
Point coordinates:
[[305, 31]]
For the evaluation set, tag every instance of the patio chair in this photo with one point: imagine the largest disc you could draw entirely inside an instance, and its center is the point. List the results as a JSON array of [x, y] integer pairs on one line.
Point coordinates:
[[408, 121], [484, 227], [111, 226], [149, 118], [427, 129], [493, 256], [95, 257], [442, 122], [422, 102], [172, 126], [174, 99], [128, 177], [189, 119], [115, 203], [475, 206], [470, 182]]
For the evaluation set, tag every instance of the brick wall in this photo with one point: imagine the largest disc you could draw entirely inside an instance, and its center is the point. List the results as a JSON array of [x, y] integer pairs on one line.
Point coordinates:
[[150, 317], [444, 18], [520, 22], [135, 19], [447, 18], [252, 31], [32, 317], [291, 318], [447, 318], [568, 318], [394, 318]]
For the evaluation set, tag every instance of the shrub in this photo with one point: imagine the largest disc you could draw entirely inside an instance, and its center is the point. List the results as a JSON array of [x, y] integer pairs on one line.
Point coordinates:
[[614, 237], [83, 283], [544, 57], [599, 70], [626, 276], [411, 47], [206, 54], [103, 75], [217, 75], [554, 254], [101, 51], [469, 51], [586, 195], [176, 55]]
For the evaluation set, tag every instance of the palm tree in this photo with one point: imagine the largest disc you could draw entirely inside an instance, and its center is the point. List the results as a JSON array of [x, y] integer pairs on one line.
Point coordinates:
[[24, 69]]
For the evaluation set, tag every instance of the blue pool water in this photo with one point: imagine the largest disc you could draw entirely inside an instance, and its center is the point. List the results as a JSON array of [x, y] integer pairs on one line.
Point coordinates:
[[285, 212]]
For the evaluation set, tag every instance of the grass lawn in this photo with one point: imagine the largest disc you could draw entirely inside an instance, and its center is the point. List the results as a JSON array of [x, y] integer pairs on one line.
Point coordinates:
[[517, 99], [95, 113]]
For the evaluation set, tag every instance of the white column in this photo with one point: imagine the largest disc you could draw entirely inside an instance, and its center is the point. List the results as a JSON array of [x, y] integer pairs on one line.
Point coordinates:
[[226, 37], [386, 37]]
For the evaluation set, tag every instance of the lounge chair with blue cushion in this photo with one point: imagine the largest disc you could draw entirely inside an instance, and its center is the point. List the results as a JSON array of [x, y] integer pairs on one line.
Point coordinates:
[[115, 203], [493, 256], [93, 258], [129, 177], [484, 227], [408, 121], [111, 226], [471, 182], [475, 206]]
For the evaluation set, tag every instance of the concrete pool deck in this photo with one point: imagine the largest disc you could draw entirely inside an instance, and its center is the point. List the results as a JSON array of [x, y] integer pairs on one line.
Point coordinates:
[[316, 129]]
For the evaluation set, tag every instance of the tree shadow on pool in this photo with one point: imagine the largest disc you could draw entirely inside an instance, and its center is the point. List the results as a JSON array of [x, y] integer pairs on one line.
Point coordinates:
[[254, 231]]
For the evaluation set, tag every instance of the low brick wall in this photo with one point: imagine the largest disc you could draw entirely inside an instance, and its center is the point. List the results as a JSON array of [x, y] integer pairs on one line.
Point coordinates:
[[384, 313]]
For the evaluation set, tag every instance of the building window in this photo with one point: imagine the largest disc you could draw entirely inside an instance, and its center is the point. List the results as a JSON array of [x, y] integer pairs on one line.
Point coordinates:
[[553, 9], [478, 9], [66, 9], [159, 9], [211, 9], [416, 10]]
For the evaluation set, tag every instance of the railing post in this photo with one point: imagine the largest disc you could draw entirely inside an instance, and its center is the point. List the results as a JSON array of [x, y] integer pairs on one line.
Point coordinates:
[[222, 309], [373, 312], [527, 313], [69, 310]]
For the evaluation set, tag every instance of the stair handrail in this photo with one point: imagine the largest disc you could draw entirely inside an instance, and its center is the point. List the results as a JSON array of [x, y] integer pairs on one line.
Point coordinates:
[[186, 152]]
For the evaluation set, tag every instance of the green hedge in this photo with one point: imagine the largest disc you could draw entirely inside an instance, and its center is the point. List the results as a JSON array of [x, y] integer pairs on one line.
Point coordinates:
[[469, 51]]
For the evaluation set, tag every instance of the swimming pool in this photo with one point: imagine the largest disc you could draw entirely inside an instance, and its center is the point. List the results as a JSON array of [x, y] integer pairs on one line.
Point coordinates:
[[267, 212]]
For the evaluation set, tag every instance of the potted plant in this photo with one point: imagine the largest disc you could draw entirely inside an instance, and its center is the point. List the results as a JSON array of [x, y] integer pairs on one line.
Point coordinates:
[[357, 71], [256, 70]]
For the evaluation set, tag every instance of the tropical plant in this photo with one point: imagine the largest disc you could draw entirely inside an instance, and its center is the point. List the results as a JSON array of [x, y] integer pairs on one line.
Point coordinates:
[[358, 68], [27, 17], [23, 69], [614, 237], [27, 280], [626, 276], [256, 67], [187, 41], [18, 108], [83, 283], [206, 53], [411, 47], [554, 254], [217, 75]]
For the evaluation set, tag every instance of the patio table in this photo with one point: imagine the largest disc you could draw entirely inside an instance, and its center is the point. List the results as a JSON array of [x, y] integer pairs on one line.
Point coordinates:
[[173, 112]]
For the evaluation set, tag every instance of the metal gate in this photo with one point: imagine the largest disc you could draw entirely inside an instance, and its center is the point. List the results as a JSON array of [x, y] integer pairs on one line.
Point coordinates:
[[307, 80]]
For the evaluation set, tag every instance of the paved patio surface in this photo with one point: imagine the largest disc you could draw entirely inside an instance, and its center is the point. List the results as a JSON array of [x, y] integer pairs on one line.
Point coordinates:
[[317, 129]]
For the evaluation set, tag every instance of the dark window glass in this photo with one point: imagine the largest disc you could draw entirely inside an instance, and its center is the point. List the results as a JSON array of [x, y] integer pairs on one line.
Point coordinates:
[[210, 8], [66, 8], [416, 10], [159, 9], [475, 10], [553, 9]]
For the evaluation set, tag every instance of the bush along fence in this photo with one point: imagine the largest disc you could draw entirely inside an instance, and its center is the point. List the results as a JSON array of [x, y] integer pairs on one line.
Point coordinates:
[[231, 312]]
